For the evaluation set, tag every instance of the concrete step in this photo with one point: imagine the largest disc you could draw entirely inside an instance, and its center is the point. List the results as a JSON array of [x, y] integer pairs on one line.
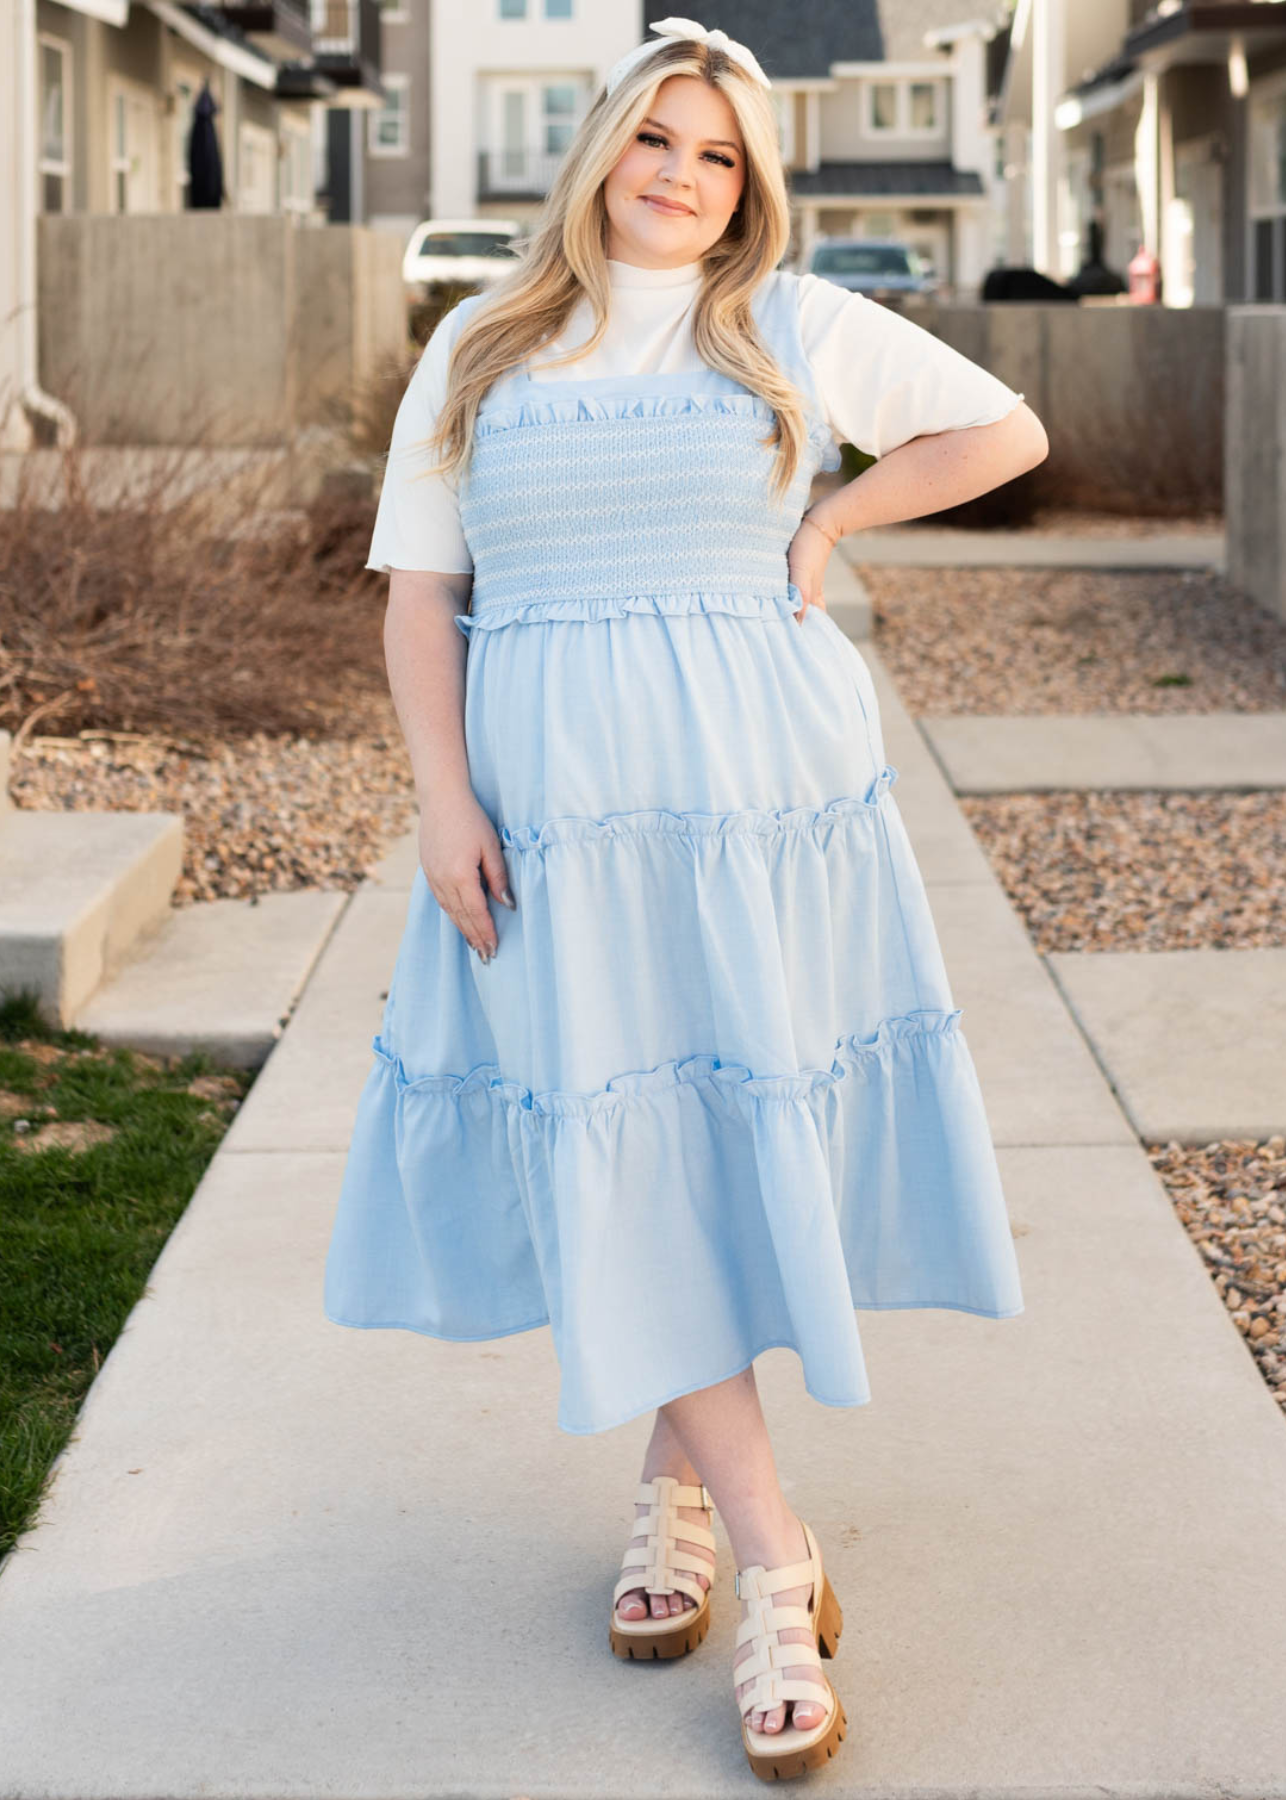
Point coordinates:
[[221, 977], [77, 892], [1191, 1040], [989, 754]]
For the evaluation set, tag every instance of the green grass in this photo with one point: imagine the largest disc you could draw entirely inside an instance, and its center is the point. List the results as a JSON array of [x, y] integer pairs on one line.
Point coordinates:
[[80, 1228]]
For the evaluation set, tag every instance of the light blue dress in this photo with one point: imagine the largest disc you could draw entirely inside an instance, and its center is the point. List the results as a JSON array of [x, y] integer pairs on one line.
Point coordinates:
[[712, 1092]]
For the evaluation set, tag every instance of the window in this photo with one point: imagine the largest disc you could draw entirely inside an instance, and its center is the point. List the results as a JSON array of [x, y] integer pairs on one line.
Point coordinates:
[[904, 108], [513, 130], [559, 117], [1268, 150], [132, 147], [882, 113], [863, 259], [558, 9], [513, 9], [186, 89], [256, 168], [924, 106], [784, 106], [296, 169], [55, 150], [1267, 223], [389, 132]]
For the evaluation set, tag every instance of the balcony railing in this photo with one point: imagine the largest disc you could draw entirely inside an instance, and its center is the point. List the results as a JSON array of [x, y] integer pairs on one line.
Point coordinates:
[[346, 27], [282, 29], [516, 174], [346, 41]]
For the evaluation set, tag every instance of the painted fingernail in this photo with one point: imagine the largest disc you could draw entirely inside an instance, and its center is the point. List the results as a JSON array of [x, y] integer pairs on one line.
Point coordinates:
[[508, 899]]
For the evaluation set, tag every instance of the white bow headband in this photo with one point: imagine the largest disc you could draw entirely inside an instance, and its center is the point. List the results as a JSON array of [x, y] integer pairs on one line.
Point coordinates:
[[687, 28]]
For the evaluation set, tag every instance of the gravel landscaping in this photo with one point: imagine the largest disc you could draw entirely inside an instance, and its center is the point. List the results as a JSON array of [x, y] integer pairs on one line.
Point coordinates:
[[1030, 641], [261, 814], [1140, 871], [1231, 1198]]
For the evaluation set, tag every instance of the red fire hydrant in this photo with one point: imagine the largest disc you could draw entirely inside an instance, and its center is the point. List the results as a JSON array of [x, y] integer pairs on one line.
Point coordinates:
[[1144, 275]]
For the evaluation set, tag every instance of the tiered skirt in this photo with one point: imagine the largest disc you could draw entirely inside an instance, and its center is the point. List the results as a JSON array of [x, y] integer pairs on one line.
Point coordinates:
[[712, 1093]]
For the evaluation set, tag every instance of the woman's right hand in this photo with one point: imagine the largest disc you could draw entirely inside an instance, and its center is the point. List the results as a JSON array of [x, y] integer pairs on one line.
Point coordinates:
[[461, 857]]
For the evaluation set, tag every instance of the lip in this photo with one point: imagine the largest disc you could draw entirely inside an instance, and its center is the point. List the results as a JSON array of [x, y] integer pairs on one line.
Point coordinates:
[[666, 206]]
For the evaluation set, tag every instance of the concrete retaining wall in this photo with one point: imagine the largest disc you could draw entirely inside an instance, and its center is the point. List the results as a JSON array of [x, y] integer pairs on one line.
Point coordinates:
[[1132, 396], [214, 328], [1256, 453]]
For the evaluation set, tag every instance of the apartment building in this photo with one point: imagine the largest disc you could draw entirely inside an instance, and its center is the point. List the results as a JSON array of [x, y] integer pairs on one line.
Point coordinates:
[[508, 83], [1166, 123], [885, 128], [97, 103], [396, 141], [116, 82], [882, 107]]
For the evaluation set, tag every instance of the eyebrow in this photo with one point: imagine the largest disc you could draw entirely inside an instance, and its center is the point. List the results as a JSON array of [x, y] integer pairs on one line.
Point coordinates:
[[723, 141]]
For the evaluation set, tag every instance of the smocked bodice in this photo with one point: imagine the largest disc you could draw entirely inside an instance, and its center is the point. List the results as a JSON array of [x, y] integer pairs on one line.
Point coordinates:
[[585, 499]]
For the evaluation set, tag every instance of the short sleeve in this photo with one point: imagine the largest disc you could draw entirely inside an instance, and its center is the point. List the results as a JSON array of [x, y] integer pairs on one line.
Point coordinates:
[[417, 523], [882, 379]]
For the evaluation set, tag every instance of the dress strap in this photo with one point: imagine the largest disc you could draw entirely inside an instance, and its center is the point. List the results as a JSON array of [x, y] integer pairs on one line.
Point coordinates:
[[776, 310]]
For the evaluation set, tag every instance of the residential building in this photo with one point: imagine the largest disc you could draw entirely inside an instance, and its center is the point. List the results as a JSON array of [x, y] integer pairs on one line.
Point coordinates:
[[882, 107], [97, 99], [347, 51], [884, 121], [509, 82], [1166, 124], [398, 146]]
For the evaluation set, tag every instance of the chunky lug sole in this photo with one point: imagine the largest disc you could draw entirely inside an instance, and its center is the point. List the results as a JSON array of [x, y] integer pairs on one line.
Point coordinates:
[[685, 1631], [658, 1567], [779, 1755]]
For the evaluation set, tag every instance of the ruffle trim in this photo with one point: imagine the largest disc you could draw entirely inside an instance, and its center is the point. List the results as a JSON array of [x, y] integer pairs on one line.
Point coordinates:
[[655, 821], [492, 615], [571, 409], [854, 1056]]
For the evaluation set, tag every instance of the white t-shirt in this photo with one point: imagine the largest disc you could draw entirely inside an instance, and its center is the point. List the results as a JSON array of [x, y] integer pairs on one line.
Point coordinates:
[[883, 380]]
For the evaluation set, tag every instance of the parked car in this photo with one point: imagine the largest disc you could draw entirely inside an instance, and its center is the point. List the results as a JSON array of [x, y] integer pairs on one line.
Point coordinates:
[[877, 267], [474, 252], [1016, 282]]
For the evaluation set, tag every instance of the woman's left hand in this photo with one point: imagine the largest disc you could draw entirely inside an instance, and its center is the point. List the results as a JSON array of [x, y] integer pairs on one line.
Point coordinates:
[[806, 559]]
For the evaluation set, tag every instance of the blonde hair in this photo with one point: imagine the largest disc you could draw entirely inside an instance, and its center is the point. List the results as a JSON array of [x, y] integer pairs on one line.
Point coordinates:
[[566, 257]]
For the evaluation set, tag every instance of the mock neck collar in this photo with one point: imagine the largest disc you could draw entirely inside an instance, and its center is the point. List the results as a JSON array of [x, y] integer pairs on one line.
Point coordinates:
[[633, 275]]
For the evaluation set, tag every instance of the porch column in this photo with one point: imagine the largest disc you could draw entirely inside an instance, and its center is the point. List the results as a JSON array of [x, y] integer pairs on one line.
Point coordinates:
[[1049, 57], [1147, 161]]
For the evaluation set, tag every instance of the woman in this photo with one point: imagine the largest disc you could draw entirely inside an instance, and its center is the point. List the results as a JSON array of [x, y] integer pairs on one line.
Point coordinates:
[[703, 1091]]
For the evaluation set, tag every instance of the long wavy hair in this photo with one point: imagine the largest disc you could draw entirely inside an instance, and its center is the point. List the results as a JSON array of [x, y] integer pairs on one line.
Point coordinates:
[[566, 256]]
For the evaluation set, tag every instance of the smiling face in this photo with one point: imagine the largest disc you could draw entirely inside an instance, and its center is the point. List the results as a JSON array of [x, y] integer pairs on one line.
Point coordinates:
[[688, 151]]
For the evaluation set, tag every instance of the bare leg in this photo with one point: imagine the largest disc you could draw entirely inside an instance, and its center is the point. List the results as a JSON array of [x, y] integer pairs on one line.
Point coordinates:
[[723, 1432], [666, 1456]]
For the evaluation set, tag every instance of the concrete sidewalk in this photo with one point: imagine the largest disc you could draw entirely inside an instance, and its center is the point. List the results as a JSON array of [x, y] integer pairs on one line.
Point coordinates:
[[990, 753], [942, 547], [281, 1558]]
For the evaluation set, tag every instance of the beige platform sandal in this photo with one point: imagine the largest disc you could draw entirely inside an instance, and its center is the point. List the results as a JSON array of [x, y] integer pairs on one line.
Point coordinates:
[[660, 1568], [775, 1755]]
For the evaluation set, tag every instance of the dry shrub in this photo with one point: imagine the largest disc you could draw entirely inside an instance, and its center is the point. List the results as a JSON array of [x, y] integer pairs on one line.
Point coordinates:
[[171, 589]]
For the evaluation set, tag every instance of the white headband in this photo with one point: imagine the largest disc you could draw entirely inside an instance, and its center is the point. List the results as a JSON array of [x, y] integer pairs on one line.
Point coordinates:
[[687, 28]]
